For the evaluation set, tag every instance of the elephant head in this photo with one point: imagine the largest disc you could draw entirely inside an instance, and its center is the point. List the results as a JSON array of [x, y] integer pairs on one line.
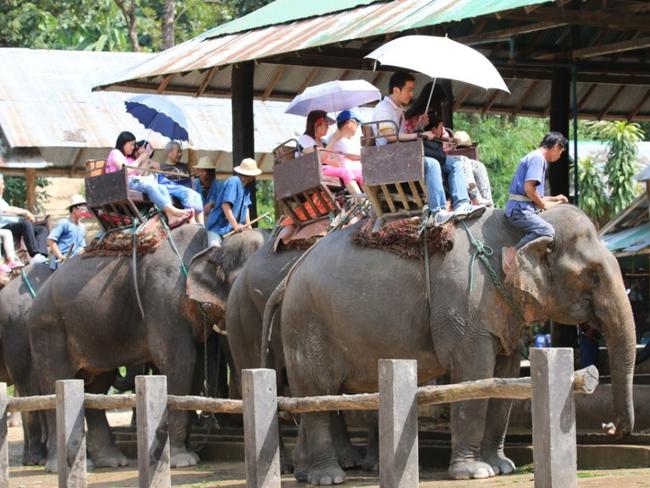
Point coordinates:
[[213, 270], [574, 279]]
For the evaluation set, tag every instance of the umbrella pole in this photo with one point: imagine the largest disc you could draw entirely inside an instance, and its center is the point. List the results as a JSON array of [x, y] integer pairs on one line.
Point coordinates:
[[426, 111]]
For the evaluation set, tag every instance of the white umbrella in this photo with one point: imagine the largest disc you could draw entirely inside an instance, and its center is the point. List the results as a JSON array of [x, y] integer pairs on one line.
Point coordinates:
[[334, 96], [440, 57]]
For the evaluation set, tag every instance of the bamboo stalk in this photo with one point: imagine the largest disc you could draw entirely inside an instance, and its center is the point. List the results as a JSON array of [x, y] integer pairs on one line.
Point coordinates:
[[254, 221], [205, 404]]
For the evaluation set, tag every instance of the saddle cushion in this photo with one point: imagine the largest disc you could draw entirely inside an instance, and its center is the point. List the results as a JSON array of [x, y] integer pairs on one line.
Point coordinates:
[[120, 243]]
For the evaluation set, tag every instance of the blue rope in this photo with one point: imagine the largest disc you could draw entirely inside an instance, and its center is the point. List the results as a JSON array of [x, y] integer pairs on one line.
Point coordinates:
[[173, 246], [27, 283]]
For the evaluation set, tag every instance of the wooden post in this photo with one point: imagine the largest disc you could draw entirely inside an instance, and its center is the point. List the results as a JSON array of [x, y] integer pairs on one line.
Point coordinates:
[[153, 431], [398, 424], [243, 128], [447, 107], [554, 418], [558, 172], [70, 434], [261, 435], [30, 180], [4, 442]]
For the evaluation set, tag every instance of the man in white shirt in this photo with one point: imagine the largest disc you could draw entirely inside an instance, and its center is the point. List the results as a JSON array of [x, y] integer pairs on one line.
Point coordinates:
[[401, 88]]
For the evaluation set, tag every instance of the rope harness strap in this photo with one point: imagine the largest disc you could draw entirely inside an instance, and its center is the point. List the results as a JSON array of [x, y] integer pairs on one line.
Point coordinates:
[[28, 284], [173, 246]]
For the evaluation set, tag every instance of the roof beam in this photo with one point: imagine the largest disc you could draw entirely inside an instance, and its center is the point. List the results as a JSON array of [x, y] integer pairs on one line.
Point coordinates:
[[206, 80], [586, 96], [491, 101], [613, 48], [502, 34], [599, 18], [520, 103], [610, 102], [463, 96], [310, 77], [639, 105], [279, 71], [163, 84]]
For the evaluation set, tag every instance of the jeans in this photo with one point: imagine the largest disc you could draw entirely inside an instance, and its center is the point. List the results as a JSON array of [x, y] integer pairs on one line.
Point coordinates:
[[456, 180], [158, 194], [214, 239], [35, 236], [188, 197], [476, 176], [530, 222]]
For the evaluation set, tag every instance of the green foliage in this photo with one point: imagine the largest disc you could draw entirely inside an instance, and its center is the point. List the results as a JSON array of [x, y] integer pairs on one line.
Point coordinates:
[[16, 191], [593, 191], [265, 202], [503, 141], [621, 167]]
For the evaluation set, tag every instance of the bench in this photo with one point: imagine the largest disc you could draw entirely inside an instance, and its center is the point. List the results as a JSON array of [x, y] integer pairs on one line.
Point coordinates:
[[111, 201], [301, 189], [393, 174]]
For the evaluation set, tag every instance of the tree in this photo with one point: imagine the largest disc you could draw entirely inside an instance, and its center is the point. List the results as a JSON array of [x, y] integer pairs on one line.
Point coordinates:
[[127, 7], [169, 16], [593, 191]]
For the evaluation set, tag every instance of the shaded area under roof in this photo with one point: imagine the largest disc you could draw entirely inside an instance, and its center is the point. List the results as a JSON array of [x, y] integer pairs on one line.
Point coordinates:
[[526, 41], [50, 117]]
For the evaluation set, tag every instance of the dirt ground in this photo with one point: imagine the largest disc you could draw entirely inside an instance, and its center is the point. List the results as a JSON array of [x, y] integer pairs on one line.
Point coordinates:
[[215, 474]]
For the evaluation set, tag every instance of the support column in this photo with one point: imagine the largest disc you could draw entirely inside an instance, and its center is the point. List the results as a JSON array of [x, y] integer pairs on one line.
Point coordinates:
[[243, 128], [30, 179], [558, 172], [70, 433], [4, 439], [447, 109]]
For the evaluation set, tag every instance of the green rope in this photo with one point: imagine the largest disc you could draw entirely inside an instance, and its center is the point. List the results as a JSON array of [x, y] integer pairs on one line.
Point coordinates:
[[173, 246], [27, 283], [483, 252]]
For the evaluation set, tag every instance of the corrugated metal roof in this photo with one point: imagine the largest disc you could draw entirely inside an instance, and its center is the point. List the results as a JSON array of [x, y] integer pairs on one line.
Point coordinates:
[[46, 102], [282, 11], [366, 21]]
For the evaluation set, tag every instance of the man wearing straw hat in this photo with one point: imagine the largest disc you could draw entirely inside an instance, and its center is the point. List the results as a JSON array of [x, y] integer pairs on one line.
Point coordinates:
[[230, 211], [206, 183], [68, 238]]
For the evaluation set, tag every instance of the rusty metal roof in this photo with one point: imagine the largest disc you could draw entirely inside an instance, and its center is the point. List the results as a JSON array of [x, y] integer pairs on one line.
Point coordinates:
[[46, 102]]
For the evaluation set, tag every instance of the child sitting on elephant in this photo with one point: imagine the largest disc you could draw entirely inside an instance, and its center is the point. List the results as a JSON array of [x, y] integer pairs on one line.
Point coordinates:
[[527, 198]]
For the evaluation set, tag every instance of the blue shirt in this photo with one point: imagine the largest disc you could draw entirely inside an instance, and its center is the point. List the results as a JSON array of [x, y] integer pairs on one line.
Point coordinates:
[[532, 167], [6, 219], [209, 195], [67, 234], [234, 193]]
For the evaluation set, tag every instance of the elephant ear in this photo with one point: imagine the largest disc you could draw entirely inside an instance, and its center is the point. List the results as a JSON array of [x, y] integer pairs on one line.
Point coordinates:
[[530, 273], [207, 280]]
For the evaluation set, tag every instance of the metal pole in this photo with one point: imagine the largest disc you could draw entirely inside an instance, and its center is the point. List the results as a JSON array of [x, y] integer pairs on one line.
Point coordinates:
[[574, 109]]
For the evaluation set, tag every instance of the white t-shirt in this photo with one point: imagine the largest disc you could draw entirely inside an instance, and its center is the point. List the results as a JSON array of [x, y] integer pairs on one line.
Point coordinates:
[[6, 219], [388, 110], [346, 146], [305, 141]]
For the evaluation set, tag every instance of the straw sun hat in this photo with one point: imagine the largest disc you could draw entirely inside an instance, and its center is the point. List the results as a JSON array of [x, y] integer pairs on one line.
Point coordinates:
[[248, 167], [205, 162]]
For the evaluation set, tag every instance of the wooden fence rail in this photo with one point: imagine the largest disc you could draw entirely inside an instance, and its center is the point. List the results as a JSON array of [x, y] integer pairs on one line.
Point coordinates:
[[551, 386]]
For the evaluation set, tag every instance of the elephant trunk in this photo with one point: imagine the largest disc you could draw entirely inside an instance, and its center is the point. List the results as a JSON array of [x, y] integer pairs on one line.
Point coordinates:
[[614, 311]]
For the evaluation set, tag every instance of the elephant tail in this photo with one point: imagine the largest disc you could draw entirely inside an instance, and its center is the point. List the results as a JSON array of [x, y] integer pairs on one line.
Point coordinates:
[[272, 305]]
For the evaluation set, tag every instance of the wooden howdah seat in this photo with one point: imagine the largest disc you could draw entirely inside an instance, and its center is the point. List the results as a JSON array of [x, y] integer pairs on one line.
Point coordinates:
[[111, 201], [301, 189], [393, 174]]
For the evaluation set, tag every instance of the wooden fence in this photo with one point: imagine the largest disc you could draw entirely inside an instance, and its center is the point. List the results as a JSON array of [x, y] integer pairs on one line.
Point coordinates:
[[551, 386]]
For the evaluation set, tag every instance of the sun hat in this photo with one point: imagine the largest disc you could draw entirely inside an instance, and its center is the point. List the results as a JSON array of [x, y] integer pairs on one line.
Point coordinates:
[[462, 138], [248, 167], [346, 115], [76, 200], [205, 162]]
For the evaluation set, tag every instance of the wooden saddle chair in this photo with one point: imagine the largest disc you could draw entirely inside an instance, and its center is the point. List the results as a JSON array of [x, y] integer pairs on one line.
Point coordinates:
[[301, 190], [393, 174], [110, 200]]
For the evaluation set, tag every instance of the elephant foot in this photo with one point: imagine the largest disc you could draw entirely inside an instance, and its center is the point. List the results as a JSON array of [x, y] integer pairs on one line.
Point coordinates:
[[348, 456], [465, 470], [33, 457], [286, 466], [14, 419], [330, 475], [181, 457], [300, 472], [500, 463], [52, 466], [370, 464], [110, 458]]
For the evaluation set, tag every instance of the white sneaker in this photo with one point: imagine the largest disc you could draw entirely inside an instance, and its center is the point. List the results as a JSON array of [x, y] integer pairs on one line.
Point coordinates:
[[439, 218], [468, 211], [38, 258]]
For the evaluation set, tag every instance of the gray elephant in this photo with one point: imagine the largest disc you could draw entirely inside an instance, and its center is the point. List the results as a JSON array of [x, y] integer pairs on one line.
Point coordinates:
[[15, 356], [85, 321], [345, 307]]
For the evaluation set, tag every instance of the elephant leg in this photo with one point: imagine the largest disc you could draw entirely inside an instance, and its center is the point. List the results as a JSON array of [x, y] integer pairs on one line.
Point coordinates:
[[300, 455], [286, 466], [176, 359], [468, 418], [324, 468], [371, 461], [34, 427], [497, 419], [348, 455], [99, 440]]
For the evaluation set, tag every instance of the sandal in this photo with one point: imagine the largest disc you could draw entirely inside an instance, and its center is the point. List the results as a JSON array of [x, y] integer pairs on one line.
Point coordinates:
[[15, 265], [181, 220]]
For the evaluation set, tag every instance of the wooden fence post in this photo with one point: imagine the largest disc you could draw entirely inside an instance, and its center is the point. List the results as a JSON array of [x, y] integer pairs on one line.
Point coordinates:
[[70, 433], [554, 418], [398, 424], [4, 441], [261, 435], [153, 431]]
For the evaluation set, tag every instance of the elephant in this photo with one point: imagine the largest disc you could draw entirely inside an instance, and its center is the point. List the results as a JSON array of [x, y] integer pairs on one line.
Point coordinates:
[[244, 313], [345, 307], [15, 355], [85, 321]]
